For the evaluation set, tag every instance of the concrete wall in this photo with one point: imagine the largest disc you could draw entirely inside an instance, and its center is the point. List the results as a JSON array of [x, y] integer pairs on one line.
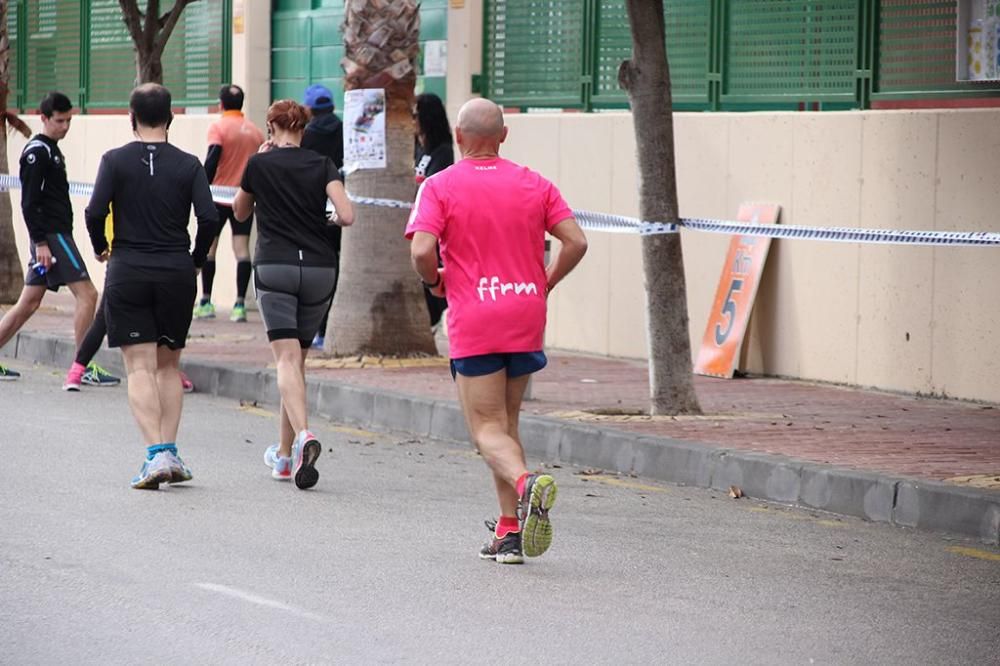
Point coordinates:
[[913, 319]]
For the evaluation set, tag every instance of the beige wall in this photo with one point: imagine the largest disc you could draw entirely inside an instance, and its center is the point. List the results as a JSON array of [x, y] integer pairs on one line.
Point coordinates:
[[914, 319], [252, 56]]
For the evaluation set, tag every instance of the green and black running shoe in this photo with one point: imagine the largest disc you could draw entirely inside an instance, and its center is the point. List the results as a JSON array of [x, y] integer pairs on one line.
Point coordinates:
[[98, 376], [533, 513], [6, 374]]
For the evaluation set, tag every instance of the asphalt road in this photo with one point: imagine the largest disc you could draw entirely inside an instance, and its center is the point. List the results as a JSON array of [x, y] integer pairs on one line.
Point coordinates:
[[378, 563]]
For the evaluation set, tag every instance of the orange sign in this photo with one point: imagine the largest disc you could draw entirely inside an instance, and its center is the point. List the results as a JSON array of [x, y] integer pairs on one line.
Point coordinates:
[[727, 322]]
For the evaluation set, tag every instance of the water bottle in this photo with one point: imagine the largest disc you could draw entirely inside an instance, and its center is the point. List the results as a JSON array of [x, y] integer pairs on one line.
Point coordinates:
[[39, 267]]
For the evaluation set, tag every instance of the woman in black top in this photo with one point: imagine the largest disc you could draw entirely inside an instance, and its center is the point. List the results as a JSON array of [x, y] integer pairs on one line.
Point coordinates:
[[295, 268], [434, 152]]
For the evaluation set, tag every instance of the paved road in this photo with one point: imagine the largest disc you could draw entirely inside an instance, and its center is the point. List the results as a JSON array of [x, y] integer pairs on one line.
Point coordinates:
[[378, 563]]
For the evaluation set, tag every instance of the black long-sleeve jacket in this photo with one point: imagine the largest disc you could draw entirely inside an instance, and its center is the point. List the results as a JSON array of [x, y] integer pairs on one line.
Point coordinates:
[[152, 187], [45, 189]]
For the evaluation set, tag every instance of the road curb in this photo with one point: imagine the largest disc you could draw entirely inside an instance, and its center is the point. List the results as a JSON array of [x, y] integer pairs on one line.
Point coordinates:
[[902, 501]]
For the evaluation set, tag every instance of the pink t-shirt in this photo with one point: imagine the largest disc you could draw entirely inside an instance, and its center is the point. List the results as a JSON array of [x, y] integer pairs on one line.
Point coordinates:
[[490, 217]]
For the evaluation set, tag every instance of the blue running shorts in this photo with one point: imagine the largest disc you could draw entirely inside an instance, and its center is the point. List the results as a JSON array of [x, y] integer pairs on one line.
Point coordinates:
[[517, 364]]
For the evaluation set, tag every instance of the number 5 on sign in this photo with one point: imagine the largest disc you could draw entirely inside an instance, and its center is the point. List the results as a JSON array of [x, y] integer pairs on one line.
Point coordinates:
[[727, 322]]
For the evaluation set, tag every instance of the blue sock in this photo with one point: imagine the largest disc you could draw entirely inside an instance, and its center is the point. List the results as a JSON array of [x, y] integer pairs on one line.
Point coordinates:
[[158, 448]]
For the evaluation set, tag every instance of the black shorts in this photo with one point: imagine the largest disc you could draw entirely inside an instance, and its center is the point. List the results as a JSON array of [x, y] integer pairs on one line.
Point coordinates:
[[239, 228], [68, 268], [143, 310], [293, 299]]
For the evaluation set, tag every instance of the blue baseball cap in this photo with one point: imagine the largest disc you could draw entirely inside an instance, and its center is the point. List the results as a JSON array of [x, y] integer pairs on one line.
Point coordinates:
[[318, 96]]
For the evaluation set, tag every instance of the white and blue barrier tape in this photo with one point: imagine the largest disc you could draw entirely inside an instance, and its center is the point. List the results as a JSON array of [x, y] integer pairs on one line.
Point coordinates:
[[605, 222]]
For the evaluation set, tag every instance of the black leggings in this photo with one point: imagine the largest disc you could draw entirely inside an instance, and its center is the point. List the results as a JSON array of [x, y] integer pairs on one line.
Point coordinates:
[[94, 337]]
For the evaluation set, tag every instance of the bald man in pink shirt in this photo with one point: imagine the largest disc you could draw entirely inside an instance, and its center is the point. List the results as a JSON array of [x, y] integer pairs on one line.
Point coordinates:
[[490, 217]]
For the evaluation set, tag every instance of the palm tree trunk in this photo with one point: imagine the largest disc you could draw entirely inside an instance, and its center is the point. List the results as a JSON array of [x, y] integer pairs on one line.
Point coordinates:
[[379, 307], [11, 277]]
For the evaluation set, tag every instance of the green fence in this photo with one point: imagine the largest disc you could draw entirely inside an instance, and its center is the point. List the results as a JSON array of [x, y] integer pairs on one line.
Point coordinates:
[[728, 54], [307, 46], [82, 48]]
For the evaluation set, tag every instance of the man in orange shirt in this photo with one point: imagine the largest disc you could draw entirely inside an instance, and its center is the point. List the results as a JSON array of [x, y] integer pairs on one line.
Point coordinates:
[[232, 139]]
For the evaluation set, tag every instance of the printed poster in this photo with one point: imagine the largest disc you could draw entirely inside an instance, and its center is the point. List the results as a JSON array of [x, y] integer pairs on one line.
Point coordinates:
[[741, 273], [364, 128], [436, 58]]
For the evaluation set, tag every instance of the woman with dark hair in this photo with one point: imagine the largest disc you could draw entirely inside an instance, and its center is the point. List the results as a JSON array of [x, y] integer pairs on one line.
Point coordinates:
[[434, 152], [295, 269]]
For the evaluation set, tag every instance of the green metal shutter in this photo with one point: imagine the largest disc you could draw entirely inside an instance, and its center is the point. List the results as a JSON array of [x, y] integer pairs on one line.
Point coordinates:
[[790, 50], [917, 45], [307, 47], [534, 52], [916, 52], [52, 32], [613, 45], [688, 26], [111, 57], [193, 61], [689, 33], [433, 27]]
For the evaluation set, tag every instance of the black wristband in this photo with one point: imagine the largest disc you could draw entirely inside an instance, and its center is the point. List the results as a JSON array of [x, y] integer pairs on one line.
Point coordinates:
[[429, 285]]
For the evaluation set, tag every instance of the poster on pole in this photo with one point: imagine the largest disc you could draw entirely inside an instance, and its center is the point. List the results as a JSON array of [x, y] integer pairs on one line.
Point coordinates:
[[364, 128], [734, 297]]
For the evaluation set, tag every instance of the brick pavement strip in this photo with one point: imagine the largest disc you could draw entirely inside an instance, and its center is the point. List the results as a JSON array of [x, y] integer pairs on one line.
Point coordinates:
[[916, 462]]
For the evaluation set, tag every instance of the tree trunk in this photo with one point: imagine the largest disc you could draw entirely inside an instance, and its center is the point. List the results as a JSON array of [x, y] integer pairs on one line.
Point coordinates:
[[379, 307], [646, 78], [148, 67], [11, 269], [150, 32]]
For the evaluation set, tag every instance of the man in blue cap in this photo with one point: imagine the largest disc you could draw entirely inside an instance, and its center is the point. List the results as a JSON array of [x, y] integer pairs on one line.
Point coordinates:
[[324, 135], [325, 132]]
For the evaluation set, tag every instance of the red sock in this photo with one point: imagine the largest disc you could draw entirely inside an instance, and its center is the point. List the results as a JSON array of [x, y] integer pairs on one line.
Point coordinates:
[[521, 481], [506, 525]]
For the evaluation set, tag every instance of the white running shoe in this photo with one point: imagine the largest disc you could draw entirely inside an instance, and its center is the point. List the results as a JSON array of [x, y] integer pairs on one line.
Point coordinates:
[[305, 450], [281, 467]]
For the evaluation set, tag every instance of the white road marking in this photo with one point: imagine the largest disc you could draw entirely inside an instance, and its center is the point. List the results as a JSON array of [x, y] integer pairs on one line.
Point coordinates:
[[260, 601]]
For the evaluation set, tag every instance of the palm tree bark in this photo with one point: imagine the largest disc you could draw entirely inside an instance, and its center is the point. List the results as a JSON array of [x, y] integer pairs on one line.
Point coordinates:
[[646, 78], [379, 307], [11, 275]]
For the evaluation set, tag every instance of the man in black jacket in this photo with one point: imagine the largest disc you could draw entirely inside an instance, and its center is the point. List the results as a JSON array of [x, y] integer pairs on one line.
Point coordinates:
[[324, 135], [55, 259], [151, 282]]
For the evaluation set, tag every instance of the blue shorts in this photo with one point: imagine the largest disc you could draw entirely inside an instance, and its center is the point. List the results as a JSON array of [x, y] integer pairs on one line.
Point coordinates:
[[517, 364]]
